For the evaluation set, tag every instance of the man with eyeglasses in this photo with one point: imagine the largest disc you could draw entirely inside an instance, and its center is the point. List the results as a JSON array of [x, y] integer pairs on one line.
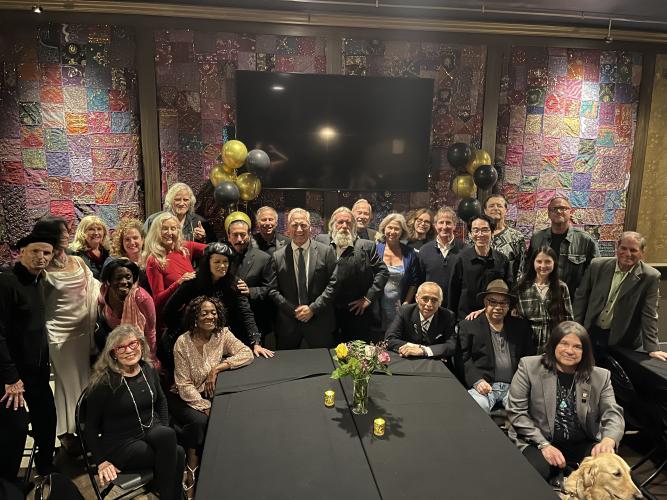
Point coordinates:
[[575, 248], [507, 240], [492, 345], [424, 329], [474, 268], [305, 288]]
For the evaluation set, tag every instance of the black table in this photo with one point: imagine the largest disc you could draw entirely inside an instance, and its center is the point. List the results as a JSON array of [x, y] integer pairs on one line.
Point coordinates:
[[278, 441]]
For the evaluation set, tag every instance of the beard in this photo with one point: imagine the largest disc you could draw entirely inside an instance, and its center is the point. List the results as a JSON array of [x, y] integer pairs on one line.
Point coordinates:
[[343, 238]]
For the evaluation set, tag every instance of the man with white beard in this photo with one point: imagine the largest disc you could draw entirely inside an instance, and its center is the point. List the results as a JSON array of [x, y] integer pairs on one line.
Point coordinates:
[[360, 278]]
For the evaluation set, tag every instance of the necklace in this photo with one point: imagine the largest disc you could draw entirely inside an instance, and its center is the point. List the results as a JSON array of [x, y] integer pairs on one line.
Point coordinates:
[[61, 264], [143, 426], [563, 402]]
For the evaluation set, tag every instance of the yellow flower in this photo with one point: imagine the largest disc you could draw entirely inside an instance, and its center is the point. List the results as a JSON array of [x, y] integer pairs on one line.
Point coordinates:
[[341, 351]]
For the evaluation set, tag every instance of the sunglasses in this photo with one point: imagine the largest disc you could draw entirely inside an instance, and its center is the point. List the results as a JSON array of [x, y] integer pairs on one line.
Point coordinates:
[[123, 348]]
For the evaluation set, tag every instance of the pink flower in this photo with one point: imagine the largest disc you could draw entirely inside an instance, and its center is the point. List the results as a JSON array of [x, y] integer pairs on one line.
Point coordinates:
[[384, 358]]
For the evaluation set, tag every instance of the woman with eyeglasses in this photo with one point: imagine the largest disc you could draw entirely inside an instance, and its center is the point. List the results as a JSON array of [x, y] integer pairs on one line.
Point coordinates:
[[561, 407], [126, 420], [214, 279], [206, 349], [544, 300], [420, 228], [474, 268]]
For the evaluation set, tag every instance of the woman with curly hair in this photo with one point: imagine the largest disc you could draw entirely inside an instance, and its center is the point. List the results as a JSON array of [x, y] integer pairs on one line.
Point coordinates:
[[420, 228], [206, 349], [91, 243], [128, 240], [127, 419], [168, 258]]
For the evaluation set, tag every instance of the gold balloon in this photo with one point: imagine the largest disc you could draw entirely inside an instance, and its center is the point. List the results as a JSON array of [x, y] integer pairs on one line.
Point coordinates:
[[463, 186], [234, 154], [249, 186], [479, 158], [219, 174], [228, 169]]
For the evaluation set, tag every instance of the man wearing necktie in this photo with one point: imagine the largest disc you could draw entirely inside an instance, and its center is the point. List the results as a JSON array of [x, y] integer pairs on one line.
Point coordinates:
[[617, 300], [305, 288], [423, 329]]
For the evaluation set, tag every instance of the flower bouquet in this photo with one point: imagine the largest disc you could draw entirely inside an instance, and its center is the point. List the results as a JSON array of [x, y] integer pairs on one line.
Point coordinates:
[[359, 360]]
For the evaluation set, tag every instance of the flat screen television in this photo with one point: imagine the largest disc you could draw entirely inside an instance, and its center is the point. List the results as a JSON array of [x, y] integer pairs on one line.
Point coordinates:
[[335, 132]]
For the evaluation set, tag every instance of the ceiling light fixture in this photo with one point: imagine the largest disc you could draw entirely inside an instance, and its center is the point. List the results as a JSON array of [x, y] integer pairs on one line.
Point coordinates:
[[609, 38], [37, 9]]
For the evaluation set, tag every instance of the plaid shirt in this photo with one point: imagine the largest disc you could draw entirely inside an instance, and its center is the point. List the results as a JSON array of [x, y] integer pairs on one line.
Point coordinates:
[[536, 310], [511, 243]]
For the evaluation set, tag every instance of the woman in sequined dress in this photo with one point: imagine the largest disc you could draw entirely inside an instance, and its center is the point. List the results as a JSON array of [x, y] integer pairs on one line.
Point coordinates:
[[561, 407]]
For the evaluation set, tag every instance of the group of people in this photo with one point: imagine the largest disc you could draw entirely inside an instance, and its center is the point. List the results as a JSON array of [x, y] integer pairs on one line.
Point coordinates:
[[167, 305]]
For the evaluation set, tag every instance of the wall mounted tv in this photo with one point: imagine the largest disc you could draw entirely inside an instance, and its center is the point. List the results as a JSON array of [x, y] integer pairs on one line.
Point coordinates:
[[337, 132]]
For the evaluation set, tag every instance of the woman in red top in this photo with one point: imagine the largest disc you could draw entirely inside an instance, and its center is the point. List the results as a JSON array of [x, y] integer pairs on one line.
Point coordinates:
[[168, 258]]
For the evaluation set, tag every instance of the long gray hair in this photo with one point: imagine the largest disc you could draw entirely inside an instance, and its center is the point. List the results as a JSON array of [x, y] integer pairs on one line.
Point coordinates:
[[107, 364]]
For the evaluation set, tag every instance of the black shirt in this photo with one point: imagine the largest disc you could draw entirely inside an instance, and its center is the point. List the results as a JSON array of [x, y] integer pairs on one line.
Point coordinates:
[[24, 348], [270, 246], [556, 240], [566, 424]]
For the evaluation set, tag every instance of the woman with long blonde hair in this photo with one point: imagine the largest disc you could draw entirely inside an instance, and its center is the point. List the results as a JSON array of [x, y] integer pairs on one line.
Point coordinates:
[[91, 243], [168, 258]]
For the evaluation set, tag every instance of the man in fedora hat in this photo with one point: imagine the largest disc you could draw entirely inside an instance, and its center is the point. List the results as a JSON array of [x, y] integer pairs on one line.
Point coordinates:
[[492, 345], [24, 359]]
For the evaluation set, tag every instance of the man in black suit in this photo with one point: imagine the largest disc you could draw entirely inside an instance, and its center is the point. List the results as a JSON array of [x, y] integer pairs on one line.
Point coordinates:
[[492, 345], [255, 275], [436, 257], [266, 237], [423, 329], [305, 288], [360, 277], [363, 213]]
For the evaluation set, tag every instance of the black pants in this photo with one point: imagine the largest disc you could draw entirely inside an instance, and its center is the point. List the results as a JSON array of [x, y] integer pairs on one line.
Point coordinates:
[[14, 428], [355, 327], [303, 337], [574, 453], [600, 342], [192, 422], [158, 450]]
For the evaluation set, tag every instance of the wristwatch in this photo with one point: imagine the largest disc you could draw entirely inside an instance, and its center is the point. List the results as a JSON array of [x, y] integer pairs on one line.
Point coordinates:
[[543, 445]]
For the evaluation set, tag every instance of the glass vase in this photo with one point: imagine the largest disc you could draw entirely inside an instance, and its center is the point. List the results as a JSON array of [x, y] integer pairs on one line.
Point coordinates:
[[360, 395]]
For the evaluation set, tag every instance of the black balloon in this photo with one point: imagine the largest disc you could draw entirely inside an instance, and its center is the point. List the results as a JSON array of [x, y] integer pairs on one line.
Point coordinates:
[[469, 208], [257, 161], [485, 176], [459, 154], [226, 193]]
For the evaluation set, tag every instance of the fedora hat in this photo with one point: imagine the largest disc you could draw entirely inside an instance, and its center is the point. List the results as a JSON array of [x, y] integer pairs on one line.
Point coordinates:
[[499, 287]]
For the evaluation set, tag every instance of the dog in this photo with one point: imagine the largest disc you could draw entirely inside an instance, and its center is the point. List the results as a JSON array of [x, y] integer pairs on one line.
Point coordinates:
[[605, 477]]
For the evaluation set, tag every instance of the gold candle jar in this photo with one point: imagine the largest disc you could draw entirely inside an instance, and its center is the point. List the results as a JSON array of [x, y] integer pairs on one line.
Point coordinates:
[[329, 398], [378, 427]]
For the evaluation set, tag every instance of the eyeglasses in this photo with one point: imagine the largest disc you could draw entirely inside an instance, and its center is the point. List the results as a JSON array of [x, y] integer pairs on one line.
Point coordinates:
[[558, 209], [133, 345], [480, 230], [497, 303]]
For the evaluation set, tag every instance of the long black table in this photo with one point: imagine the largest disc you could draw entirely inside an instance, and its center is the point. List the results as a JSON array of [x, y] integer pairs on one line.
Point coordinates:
[[273, 438]]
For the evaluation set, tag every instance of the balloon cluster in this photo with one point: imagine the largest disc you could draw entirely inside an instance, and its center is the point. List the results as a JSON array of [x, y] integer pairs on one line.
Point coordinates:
[[231, 187], [475, 171]]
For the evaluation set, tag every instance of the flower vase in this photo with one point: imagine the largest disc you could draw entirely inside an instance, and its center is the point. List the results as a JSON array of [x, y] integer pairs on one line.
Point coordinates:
[[360, 395]]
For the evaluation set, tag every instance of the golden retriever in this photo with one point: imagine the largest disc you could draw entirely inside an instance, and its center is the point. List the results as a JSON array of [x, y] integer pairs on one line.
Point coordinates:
[[605, 477]]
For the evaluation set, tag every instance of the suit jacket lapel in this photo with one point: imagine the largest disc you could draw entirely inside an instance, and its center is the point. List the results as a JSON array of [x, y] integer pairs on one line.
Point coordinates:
[[416, 324], [312, 261], [246, 266], [606, 275], [549, 394], [583, 393], [632, 279]]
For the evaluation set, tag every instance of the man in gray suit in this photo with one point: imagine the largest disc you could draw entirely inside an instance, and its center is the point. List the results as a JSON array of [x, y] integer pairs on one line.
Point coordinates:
[[305, 288], [617, 300]]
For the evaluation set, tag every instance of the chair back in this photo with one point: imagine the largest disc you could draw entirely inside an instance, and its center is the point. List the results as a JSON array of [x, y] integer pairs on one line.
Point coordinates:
[[80, 418]]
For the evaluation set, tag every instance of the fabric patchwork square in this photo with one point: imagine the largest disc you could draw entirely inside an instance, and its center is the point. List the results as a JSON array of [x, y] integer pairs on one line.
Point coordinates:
[[77, 123], [52, 95], [525, 201], [534, 124], [32, 137], [607, 114], [532, 144], [83, 192], [606, 136], [57, 164], [98, 100], [28, 91], [83, 209], [591, 72], [573, 89], [609, 217], [572, 108], [126, 192], [28, 71], [589, 128], [543, 197], [566, 162], [532, 164], [512, 176], [607, 92], [109, 214], [10, 150], [549, 163], [55, 139], [579, 199], [553, 126], [75, 99], [38, 197], [614, 200], [118, 100], [565, 180], [517, 116], [30, 113], [120, 123], [624, 93], [34, 158], [519, 77], [569, 145], [624, 73], [105, 192], [608, 73], [169, 139], [528, 183], [79, 146], [571, 126], [589, 109], [581, 182], [51, 75], [611, 232], [550, 145], [190, 142], [81, 169], [99, 123], [585, 163], [575, 69], [248, 61], [554, 105], [597, 199], [514, 156], [12, 173], [558, 65], [548, 180], [98, 76], [62, 208], [9, 125], [73, 75], [590, 91]]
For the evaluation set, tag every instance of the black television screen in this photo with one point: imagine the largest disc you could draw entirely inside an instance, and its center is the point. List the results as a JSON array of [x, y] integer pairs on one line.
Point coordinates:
[[337, 132]]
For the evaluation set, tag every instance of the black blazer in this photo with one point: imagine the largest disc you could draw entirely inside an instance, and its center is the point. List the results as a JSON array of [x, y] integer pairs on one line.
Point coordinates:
[[321, 287], [255, 267], [270, 248], [479, 360], [406, 327], [433, 267]]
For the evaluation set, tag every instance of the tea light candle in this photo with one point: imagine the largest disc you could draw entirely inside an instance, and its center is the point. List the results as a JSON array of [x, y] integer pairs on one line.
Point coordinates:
[[378, 427], [329, 398]]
